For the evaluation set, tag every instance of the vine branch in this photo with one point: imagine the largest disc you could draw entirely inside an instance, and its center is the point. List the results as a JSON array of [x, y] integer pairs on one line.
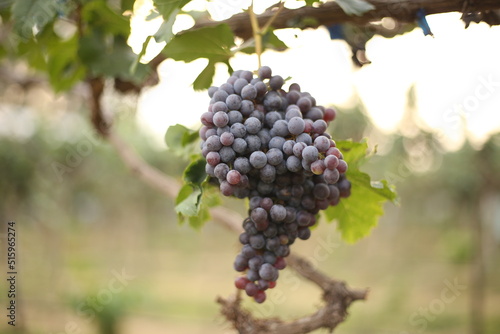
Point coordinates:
[[330, 13]]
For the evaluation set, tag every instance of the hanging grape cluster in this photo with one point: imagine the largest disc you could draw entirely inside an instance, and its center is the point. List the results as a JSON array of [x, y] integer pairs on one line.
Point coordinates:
[[263, 143]]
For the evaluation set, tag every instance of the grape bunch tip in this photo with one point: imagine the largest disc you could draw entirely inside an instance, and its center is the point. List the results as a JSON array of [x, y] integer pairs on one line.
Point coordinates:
[[271, 146]]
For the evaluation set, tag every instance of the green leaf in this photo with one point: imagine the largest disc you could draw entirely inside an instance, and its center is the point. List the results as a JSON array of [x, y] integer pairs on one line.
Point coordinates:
[[133, 68], [355, 7], [63, 67], [179, 139], [187, 202], [167, 7], [359, 213], [111, 56], [195, 172], [213, 43], [30, 14], [269, 41], [100, 17], [164, 33], [205, 78], [127, 5], [200, 219]]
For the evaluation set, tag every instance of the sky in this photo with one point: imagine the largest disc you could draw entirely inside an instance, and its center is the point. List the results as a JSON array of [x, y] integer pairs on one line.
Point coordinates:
[[455, 74]]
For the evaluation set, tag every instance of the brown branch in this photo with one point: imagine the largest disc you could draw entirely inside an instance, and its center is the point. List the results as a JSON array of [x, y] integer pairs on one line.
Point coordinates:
[[331, 13], [336, 295]]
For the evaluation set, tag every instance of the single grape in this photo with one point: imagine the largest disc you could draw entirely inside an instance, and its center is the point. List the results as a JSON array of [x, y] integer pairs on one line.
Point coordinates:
[[220, 95], [331, 175], [342, 167], [296, 125], [260, 296], [213, 158], [331, 162], [212, 90], [213, 143], [226, 188], [268, 173], [274, 156], [310, 154], [207, 118], [234, 117], [265, 72], [330, 114], [276, 82], [241, 282], [319, 126], [281, 128], [239, 84], [239, 145], [242, 165], [271, 118], [253, 125], [233, 177], [251, 289], [240, 263], [318, 167], [220, 119], [322, 143], [304, 104], [219, 106], [227, 87], [304, 138], [253, 143], [227, 154], [221, 171], [247, 75], [278, 213], [238, 130], [227, 139], [268, 272], [257, 241], [258, 159], [249, 92]]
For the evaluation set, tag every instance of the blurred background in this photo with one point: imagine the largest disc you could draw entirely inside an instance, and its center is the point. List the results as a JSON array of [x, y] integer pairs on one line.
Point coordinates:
[[101, 252]]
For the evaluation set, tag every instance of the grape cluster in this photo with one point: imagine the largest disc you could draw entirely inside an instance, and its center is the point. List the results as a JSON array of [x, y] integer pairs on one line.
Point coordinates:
[[263, 143]]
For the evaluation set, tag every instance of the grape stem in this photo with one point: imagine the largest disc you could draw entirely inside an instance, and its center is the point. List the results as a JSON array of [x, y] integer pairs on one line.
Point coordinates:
[[258, 32]]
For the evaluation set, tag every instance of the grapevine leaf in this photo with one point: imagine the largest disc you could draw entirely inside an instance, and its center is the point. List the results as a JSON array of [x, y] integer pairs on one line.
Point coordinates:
[[269, 41], [213, 43], [31, 16], [205, 78], [174, 135], [164, 33], [189, 137], [179, 139], [200, 219], [167, 7], [188, 201], [195, 172], [100, 17], [355, 7], [110, 56], [62, 68], [127, 5], [133, 68], [359, 213]]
